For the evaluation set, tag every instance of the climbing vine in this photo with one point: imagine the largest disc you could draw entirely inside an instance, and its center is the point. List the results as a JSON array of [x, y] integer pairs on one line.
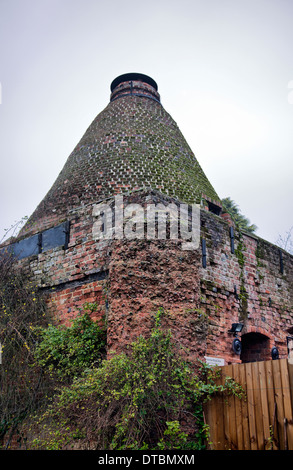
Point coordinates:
[[58, 391], [145, 398], [243, 295], [23, 385]]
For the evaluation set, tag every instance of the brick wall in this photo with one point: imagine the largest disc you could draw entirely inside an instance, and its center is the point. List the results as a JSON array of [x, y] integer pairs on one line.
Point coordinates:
[[132, 144], [131, 279], [247, 286]]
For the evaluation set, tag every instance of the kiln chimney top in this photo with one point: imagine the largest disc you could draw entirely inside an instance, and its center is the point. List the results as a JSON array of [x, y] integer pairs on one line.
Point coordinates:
[[119, 154], [136, 84]]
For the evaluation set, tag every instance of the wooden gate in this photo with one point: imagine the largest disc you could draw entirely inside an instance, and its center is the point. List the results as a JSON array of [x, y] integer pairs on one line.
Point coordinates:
[[263, 420]]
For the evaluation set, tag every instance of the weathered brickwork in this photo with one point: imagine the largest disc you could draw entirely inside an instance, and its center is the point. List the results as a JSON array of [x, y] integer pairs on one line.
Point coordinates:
[[246, 287], [65, 303], [130, 280], [135, 148], [132, 144], [147, 276]]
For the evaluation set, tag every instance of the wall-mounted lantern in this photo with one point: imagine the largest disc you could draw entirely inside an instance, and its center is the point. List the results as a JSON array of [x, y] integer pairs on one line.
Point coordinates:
[[237, 346], [290, 346], [275, 353], [235, 329]]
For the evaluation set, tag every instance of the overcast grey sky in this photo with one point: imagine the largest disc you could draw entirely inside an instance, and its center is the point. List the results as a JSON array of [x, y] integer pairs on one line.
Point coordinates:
[[223, 69]]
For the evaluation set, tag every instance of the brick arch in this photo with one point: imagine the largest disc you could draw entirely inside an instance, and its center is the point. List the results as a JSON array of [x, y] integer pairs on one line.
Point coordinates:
[[290, 331], [256, 345]]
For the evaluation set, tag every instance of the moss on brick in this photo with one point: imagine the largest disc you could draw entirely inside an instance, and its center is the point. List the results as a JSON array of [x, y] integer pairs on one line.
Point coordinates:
[[133, 143]]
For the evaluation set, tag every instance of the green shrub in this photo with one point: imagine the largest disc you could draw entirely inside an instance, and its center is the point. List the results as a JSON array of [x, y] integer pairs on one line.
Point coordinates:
[[134, 400], [173, 438], [67, 351]]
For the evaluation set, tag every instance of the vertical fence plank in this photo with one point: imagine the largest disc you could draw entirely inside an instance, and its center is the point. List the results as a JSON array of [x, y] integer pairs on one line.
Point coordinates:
[[290, 372], [290, 375], [265, 405], [232, 410], [214, 417], [250, 403], [238, 411], [265, 419], [214, 414], [244, 406], [221, 440], [257, 405], [279, 401], [288, 423], [272, 405], [211, 416], [228, 413]]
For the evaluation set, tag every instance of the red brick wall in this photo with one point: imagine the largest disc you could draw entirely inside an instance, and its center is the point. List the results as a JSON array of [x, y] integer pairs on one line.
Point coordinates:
[[145, 277], [263, 297], [131, 280], [68, 302]]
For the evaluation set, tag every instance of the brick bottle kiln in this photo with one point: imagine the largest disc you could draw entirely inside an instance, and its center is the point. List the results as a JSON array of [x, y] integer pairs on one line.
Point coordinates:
[[135, 150]]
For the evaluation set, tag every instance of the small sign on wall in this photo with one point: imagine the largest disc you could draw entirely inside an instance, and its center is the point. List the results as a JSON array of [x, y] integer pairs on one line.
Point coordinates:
[[215, 361]]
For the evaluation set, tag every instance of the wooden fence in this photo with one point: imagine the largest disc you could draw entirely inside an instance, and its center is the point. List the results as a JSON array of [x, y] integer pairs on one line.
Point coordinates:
[[263, 420]]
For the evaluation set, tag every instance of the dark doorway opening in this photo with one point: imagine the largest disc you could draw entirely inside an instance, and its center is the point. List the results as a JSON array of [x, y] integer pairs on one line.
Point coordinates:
[[255, 347]]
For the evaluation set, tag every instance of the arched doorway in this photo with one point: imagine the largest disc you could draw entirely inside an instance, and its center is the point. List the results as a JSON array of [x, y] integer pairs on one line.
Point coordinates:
[[255, 347]]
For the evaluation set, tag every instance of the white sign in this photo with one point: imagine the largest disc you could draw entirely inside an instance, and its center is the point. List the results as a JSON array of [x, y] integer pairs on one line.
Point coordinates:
[[215, 361]]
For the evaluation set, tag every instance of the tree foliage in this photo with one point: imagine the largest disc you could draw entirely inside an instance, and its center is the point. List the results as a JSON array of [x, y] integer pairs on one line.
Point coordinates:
[[37, 356], [242, 222], [22, 383]]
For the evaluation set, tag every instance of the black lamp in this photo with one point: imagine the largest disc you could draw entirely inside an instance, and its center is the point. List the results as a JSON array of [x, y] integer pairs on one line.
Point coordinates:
[[275, 353], [236, 328], [237, 346]]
